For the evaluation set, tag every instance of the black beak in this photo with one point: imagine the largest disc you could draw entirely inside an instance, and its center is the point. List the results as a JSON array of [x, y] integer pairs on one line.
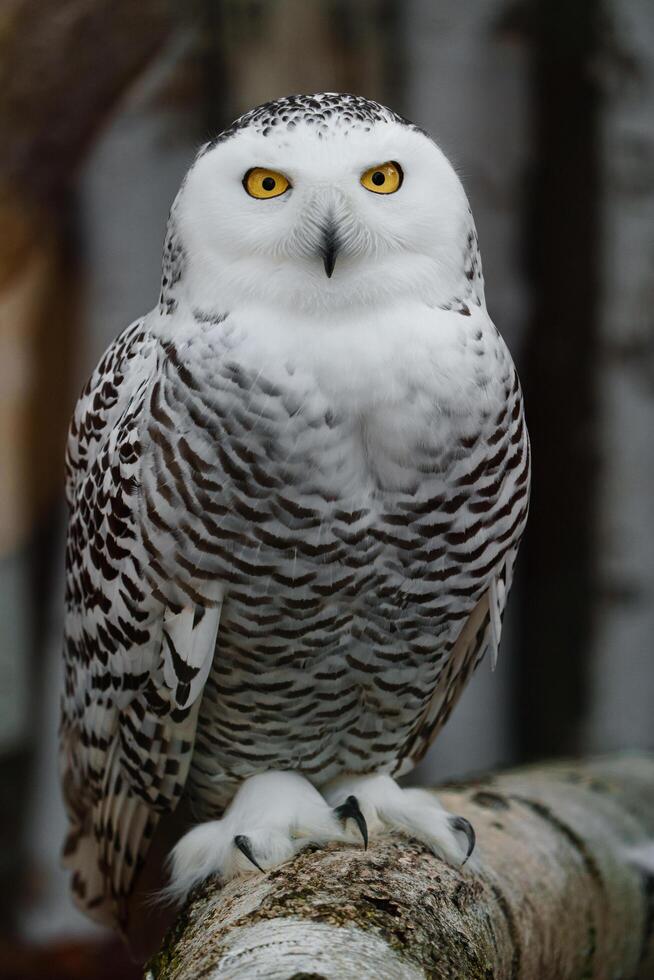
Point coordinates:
[[329, 248]]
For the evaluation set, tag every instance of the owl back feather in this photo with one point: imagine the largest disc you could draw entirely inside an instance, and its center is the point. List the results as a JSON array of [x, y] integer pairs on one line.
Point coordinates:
[[134, 669]]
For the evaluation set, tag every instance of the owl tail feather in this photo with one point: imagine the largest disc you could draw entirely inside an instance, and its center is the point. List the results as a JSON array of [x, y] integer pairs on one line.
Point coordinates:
[[88, 883], [105, 853]]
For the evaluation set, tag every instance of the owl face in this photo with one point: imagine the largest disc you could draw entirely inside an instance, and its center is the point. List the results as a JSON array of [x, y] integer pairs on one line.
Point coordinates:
[[323, 213]]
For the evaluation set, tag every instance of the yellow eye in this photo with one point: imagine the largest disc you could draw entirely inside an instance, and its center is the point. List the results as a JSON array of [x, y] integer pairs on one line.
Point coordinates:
[[262, 183], [384, 179]]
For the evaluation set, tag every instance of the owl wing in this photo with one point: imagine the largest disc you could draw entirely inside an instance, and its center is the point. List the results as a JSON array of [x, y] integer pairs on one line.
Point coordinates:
[[480, 633], [134, 667], [504, 502]]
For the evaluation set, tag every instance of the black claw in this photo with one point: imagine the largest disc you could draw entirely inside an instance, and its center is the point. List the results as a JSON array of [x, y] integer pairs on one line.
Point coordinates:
[[245, 847], [460, 823], [350, 809]]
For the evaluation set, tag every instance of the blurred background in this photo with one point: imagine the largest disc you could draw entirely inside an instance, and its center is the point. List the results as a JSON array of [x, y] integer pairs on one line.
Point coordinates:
[[546, 108]]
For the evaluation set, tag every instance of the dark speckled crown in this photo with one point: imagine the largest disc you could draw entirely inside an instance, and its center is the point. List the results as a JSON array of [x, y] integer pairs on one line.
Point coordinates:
[[327, 111]]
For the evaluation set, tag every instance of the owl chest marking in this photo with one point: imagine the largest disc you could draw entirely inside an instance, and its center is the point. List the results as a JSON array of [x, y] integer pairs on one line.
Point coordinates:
[[279, 496], [348, 547]]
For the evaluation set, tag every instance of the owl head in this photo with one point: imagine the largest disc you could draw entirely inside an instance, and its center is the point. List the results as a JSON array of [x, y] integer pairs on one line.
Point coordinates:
[[319, 202]]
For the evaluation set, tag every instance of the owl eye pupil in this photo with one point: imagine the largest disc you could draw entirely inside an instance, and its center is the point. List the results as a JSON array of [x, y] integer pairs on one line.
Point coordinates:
[[268, 183], [378, 178]]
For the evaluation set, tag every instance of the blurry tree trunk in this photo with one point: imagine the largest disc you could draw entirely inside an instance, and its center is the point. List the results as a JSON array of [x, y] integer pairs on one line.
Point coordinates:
[[257, 51], [63, 65], [560, 378], [465, 83], [555, 895], [622, 678]]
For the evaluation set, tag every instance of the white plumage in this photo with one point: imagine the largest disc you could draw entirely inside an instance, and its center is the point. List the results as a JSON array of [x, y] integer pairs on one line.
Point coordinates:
[[297, 490]]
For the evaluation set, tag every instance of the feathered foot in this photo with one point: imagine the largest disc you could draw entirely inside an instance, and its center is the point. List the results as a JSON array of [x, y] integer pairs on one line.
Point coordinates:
[[383, 805], [272, 817]]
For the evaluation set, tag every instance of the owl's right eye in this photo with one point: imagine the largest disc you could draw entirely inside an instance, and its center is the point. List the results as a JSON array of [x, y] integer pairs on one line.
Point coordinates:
[[262, 183]]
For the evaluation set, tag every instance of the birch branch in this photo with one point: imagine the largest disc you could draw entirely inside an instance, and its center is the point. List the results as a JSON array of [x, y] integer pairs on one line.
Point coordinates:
[[555, 895]]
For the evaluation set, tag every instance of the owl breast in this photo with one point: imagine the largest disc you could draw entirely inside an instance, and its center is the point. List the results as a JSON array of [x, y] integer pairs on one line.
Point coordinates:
[[347, 546]]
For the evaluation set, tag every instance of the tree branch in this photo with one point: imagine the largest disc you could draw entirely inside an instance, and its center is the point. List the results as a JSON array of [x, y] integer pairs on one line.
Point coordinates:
[[555, 896]]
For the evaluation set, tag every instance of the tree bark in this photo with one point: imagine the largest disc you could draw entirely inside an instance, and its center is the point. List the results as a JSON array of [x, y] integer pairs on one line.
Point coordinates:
[[555, 894]]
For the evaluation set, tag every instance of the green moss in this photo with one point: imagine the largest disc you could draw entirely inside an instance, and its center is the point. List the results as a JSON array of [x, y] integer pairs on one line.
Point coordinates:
[[162, 964]]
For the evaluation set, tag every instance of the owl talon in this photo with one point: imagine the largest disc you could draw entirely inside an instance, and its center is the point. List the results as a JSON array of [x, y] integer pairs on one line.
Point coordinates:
[[465, 827], [245, 847], [350, 810]]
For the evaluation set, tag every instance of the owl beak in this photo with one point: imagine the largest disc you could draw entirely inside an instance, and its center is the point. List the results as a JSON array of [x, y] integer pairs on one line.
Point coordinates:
[[329, 248]]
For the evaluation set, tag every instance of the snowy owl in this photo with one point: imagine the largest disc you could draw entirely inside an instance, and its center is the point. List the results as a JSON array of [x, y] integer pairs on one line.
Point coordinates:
[[297, 489]]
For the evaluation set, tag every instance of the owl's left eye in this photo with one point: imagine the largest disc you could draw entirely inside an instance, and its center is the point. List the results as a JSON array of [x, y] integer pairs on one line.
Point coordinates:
[[386, 178], [262, 183]]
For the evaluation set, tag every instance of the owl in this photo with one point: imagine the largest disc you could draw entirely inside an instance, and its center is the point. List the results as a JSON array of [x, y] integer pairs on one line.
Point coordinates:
[[297, 489]]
